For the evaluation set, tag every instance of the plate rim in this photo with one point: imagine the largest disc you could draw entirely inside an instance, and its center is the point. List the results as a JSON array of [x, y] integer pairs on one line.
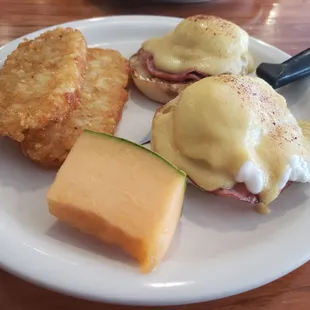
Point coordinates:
[[35, 279], [135, 17]]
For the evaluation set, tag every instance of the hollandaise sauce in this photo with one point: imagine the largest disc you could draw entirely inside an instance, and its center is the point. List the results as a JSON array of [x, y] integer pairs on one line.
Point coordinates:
[[225, 130], [207, 44]]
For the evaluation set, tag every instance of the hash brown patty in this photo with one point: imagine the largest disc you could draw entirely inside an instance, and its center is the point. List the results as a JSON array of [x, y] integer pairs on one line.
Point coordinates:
[[41, 81], [102, 100]]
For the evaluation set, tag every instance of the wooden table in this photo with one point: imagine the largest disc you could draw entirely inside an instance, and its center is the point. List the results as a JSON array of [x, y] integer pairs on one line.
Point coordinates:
[[285, 24]]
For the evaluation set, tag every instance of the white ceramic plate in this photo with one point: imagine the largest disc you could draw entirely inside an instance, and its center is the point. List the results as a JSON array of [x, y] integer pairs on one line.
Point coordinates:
[[222, 247]]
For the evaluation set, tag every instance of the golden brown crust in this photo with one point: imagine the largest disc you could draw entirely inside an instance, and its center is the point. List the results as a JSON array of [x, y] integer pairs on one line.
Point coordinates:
[[154, 88], [102, 100], [41, 81]]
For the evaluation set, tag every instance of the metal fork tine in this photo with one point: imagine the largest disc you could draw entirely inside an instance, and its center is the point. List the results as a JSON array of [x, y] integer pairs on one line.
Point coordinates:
[[146, 139]]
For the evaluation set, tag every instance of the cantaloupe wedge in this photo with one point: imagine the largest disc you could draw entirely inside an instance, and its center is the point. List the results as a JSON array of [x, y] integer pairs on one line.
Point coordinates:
[[122, 193]]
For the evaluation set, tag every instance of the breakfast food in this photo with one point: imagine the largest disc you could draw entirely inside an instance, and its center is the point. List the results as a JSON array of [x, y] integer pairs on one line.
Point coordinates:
[[198, 47], [103, 97], [120, 192], [41, 81], [233, 136]]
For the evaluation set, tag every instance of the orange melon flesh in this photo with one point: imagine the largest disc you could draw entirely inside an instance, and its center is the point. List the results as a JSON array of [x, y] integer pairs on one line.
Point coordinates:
[[122, 193]]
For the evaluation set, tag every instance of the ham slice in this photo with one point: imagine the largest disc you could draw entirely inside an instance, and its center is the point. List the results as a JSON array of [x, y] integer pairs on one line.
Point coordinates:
[[187, 76], [240, 192]]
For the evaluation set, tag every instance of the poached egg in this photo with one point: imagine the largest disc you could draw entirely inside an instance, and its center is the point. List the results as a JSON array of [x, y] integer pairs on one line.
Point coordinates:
[[227, 129]]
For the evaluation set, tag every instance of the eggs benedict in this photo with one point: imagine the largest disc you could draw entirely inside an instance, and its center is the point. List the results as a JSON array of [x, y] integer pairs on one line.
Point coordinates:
[[233, 136], [198, 47]]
